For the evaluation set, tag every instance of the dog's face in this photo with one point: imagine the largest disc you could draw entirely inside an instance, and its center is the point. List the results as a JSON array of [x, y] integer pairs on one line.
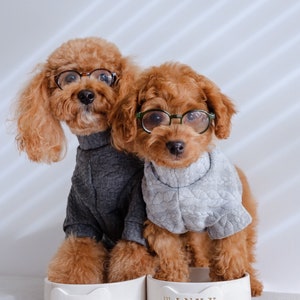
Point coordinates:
[[79, 84], [178, 114], [83, 80], [177, 144]]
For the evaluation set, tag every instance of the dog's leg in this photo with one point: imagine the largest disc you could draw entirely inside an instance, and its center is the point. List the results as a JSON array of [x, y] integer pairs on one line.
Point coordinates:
[[230, 260], [228, 257], [173, 261], [78, 261], [129, 260], [197, 245], [250, 204], [256, 285]]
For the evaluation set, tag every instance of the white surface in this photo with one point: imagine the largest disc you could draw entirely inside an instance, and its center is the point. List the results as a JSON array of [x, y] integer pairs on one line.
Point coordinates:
[[278, 296], [249, 48]]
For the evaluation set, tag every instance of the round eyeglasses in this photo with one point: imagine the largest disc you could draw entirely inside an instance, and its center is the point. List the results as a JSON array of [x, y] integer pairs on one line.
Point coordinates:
[[199, 120], [67, 77]]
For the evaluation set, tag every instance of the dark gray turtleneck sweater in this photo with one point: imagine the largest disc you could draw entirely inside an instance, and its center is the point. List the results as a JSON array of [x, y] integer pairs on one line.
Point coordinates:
[[105, 201]]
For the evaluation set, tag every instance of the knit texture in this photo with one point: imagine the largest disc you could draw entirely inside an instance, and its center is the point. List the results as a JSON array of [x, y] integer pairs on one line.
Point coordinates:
[[105, 201], [206, 196]]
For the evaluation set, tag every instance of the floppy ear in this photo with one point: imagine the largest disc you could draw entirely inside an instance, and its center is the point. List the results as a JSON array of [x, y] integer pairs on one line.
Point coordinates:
[[221, 105], [39, 134], [127, 79], [123, 122]]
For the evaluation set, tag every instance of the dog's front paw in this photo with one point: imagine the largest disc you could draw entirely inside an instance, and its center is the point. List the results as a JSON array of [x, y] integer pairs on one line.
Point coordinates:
[[78, 261], [223, 275], [173, 272], [256, 287], [170, 251], [227, 268], [234, 268], [129, 260]]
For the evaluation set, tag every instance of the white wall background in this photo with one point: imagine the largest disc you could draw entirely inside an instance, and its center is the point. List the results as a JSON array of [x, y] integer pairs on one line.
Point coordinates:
[[250, 48]]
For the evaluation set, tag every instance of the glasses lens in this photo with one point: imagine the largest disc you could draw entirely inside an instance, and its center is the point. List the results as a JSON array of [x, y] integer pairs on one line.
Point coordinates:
[[67, 77], [152, 119], [103, 75], [198, 120]]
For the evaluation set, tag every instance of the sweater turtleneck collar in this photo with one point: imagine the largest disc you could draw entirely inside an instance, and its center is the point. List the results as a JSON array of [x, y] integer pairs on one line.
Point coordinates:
[[182, 177], [95, 140]]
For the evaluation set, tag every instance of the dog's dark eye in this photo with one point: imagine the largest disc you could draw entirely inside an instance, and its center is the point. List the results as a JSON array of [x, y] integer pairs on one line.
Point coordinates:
[[199, 120], [152, 119], [192, 116], [66, 78], [195, 116], [155, 118], [70, 78], [103, 75]]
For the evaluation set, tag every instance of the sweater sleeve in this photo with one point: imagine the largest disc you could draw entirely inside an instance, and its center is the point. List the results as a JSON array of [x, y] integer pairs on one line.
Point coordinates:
[[80, 220], [136, 214], [232, 222]]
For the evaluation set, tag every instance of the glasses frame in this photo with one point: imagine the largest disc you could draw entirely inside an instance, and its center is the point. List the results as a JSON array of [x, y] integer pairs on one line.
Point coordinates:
[[88, 74], [211, 116]]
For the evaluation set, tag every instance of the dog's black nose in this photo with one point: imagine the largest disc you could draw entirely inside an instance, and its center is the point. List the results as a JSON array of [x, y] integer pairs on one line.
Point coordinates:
[[176, 147], [86, 96]]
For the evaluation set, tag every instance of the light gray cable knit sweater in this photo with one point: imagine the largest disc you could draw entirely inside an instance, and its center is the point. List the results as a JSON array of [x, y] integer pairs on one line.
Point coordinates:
[[206, 196]]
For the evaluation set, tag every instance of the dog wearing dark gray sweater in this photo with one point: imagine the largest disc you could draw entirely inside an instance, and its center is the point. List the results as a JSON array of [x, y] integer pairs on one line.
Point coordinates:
[[78, 85]]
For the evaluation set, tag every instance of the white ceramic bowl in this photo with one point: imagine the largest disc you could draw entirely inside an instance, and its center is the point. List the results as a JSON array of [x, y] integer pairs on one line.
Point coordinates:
[[126, 290], [199, 288]]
